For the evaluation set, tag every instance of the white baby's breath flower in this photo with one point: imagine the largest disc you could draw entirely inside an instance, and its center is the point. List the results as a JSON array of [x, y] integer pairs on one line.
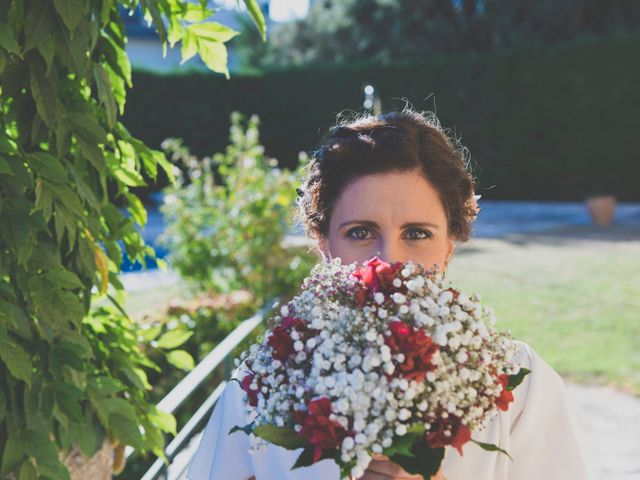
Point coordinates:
[[350, 356], [399, 298]]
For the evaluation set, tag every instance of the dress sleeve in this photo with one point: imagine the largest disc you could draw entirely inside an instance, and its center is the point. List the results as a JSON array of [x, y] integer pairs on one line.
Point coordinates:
[[221, 455], [544, 435]]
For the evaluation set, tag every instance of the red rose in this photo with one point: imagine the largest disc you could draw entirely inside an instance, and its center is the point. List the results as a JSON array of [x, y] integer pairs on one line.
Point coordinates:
[[416, 346], [460, 434], [318, 428], [377, 276], [506, 396], [367, 273], [387, 273]]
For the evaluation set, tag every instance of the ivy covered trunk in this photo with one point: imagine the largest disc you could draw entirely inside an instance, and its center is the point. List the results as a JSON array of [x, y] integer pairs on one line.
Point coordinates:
[[71, 374], [98, 467]]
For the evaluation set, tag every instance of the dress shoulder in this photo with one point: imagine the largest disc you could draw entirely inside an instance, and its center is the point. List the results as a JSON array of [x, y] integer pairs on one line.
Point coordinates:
[[539, 431], [221, 455]]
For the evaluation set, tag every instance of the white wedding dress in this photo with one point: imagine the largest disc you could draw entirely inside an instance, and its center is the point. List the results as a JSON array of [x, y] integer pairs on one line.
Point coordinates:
[[539, 431]]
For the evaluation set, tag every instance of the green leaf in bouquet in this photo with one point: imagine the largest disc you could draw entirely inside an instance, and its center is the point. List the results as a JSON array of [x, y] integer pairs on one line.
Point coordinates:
[[515, 380], [283, 436], [491, 448], [305, 458], [402, 445], [248, 429], [423, 460]]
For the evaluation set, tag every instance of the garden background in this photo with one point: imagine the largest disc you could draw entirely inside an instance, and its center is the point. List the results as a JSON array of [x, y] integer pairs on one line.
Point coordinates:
[[105, 168]]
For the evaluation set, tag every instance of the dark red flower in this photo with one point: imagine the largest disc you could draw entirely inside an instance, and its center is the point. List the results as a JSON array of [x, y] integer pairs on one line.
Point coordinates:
[[416, 346], [281, 342], [377, 276], [318, 428], [280, 339], [459, 433], [387, 273], [506, 396], [252, 394]]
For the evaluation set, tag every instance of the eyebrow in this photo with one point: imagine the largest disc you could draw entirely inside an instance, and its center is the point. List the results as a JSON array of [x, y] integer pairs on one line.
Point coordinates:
[[369, 223]]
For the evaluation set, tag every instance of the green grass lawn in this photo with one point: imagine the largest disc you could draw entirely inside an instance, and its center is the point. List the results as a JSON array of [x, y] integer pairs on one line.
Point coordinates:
[[577, 303]]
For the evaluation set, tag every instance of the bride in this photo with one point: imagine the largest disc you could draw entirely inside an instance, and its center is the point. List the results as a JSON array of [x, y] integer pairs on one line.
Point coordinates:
[[397, 186]]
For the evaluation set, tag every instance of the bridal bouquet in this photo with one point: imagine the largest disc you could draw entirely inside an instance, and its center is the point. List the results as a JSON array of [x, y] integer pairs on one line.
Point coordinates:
[[377, 358]]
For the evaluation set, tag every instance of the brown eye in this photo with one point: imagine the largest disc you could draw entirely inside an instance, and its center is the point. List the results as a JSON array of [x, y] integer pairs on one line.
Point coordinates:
[[358, 233], [418, 234]]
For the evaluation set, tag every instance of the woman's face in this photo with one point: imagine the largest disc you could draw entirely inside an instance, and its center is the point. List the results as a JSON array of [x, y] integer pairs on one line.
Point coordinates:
[[397, 216]]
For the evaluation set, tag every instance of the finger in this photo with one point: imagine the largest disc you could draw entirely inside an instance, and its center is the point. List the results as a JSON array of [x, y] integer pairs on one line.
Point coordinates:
[[373, 475], [379, 456], [385, 467], [391, 469], [370, 475]]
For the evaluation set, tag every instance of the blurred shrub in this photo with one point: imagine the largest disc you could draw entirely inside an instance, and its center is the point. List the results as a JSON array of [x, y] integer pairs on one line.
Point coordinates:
[[227, 216], [387, 31]]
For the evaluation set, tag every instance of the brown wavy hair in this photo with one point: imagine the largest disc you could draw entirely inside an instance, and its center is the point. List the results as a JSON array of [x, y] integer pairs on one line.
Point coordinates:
[[392, 141]]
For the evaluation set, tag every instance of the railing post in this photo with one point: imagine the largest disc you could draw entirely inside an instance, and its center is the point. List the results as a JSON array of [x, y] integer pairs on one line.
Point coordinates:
[[220, 356]]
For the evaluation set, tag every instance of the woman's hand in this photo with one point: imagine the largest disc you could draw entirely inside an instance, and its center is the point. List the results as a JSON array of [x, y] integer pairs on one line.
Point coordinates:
[[381, 468]]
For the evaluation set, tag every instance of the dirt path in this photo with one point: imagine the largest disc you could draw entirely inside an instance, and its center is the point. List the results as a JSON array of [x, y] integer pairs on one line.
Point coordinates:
[[610, 423]]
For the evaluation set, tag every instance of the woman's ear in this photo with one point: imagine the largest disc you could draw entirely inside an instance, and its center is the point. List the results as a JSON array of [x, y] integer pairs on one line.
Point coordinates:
[[450, 250]]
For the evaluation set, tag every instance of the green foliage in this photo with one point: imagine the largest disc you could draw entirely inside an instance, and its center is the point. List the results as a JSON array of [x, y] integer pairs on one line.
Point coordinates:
[[70, 373], [228, 215]]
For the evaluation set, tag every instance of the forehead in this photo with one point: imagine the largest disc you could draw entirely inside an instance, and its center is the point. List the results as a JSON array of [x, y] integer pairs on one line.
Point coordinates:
[[405, 196]]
